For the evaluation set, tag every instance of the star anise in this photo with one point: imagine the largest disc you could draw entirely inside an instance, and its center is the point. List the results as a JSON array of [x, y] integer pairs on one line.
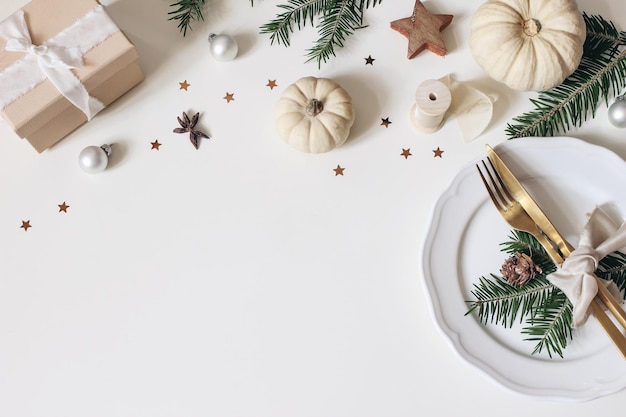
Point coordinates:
[[189, 125]]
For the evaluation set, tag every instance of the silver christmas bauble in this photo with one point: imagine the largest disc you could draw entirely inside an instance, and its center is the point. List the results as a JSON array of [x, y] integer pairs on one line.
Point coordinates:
[[94, 159], [223, 47], [617, 112]]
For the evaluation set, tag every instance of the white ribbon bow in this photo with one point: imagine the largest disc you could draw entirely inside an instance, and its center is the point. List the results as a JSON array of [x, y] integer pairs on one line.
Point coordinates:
[[600, 237], [54, 61]]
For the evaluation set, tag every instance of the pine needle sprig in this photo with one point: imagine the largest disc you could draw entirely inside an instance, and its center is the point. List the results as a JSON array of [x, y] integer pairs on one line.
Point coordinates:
[[600, 76], [543, 308], [524, 242], [186, 11], [498, 302], [602, 35], [613, 268], [551, 326], [297, 13], [335, 21]]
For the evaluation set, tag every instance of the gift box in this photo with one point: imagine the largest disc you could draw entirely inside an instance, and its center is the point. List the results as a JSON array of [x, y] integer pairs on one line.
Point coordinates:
[[61, 62]]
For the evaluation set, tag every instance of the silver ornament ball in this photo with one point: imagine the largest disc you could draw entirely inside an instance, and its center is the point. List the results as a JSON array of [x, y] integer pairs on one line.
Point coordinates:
[[617, 112], [223, 47], [94, 159]]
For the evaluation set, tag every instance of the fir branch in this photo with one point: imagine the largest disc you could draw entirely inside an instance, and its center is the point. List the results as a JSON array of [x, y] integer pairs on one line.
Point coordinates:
[[298, 13], [498, 302], [186, 11], [524, 242], [613, 268], [336, 23], [551, 327], [542, 307], [337, 20], [600, 75]]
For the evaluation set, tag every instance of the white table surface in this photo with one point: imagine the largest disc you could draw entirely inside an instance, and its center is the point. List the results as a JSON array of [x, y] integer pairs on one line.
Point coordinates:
[[245, 278]]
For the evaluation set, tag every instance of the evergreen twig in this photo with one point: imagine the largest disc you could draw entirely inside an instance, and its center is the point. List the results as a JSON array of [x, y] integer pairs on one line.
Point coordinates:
[[543, 308], [186, 11], [600, 76], [335, 21]]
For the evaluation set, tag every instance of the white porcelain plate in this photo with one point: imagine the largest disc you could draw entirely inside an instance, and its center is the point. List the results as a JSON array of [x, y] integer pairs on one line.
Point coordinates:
[[568, 177]]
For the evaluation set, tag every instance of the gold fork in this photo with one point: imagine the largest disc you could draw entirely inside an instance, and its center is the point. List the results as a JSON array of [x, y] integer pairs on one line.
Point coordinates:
[[515, 215]]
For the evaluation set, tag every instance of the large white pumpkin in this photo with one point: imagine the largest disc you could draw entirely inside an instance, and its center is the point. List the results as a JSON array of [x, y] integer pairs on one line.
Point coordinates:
[[314, 115], [528, 44]]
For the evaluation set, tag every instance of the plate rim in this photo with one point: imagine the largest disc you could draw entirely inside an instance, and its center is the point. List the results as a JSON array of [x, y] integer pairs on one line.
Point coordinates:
[[452, 336]]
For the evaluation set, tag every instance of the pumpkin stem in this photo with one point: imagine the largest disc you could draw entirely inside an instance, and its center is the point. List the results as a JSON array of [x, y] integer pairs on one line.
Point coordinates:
[[314, 107], [532, 27]]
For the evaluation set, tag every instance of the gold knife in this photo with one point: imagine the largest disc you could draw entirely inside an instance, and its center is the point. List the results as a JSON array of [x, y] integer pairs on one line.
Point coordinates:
[[542, 221]]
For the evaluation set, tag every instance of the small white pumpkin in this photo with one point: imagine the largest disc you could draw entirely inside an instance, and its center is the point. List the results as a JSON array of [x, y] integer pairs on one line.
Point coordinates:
[[528, 44], [314, 115]]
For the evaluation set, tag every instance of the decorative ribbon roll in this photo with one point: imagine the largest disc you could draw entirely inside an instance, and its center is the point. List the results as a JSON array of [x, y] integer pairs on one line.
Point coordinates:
[[432, 100], [53, 59]]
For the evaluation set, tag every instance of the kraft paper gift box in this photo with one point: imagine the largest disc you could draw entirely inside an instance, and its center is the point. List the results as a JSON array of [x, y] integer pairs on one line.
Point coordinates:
[[61, 62]]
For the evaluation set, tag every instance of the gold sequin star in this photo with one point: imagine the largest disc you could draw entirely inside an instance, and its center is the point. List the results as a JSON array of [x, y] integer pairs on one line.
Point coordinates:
[[271, 84], [155, 145], [25, 225], [438, 152], [229, 97], [184, 85], [63, 207], [369, 60], [423, 30], [406, 153], [385, 122], [338, 170]]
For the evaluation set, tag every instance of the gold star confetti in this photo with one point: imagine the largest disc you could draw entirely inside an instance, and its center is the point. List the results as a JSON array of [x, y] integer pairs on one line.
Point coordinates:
[[25, 225], [385, 122], [338, 170], [369, 60], [406, 153], [423, 30], [271, 84], [438, 152], [63, 207], [229, 97], [155, 145], [184, 85]]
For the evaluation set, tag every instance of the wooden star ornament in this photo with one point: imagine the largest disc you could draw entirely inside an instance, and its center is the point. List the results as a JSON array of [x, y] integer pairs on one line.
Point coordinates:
[[423, 30]]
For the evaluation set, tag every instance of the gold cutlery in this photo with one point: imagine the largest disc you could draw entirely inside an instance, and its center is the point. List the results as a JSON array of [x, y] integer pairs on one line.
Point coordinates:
[[545, 225], [516, 215]]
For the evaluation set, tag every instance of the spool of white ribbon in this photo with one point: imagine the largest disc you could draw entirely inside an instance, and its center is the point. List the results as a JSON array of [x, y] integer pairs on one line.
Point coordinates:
[[54, 59], [432, 100]]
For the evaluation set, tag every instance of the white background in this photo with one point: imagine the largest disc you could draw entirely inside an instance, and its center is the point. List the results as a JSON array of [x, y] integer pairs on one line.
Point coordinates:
[[245, 278]]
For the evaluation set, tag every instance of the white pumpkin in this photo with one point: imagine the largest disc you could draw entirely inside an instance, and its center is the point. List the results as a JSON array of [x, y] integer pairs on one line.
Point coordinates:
[[314, 115], [528, 44]]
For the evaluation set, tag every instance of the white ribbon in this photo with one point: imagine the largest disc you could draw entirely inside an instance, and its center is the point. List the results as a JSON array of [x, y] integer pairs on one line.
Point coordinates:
[[54, 59], [600, 237]]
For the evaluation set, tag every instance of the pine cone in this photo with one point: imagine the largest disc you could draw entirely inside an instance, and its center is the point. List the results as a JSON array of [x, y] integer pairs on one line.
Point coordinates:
[[519, 269]]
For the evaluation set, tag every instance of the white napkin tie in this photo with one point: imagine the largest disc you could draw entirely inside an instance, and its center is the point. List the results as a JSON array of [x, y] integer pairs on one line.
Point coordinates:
[[575, 277]]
